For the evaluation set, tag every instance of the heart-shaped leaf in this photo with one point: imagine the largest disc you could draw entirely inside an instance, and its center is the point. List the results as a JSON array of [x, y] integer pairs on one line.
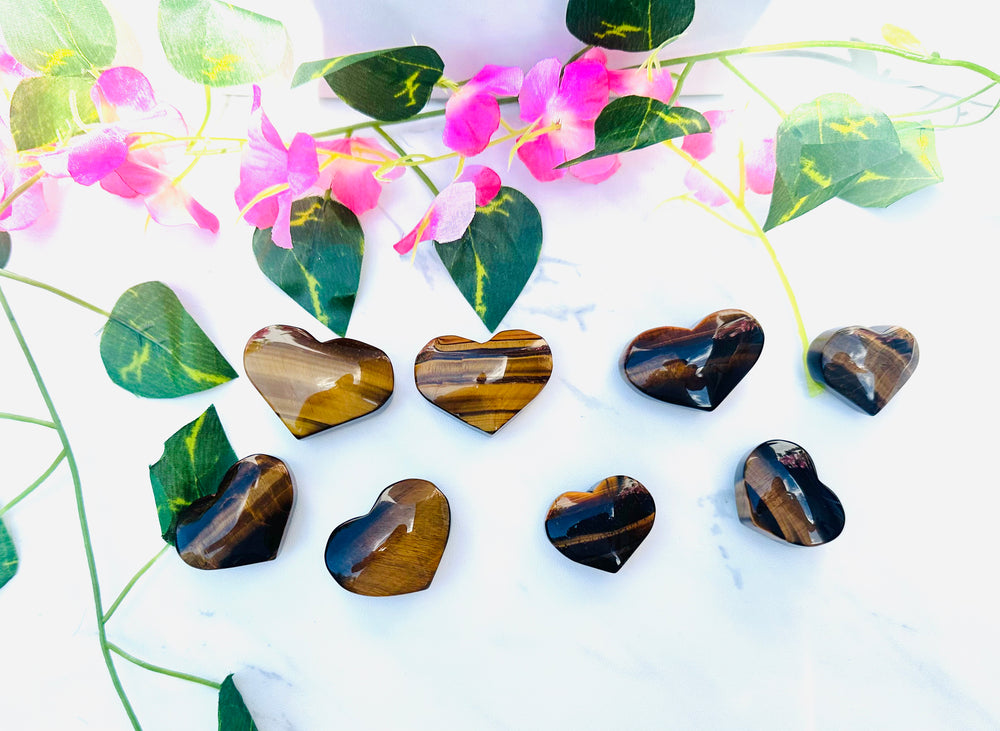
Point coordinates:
[[4, 248], [634, 122], [915, 167], [629, 25], [59, 37], [322, 269], [219, 44], [233, 713], [194, 461], [8, 555], [492, 262], [42, 109], [152, 347], [388, 85]]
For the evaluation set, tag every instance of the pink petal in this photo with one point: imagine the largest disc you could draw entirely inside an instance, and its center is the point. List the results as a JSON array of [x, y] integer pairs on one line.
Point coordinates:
[[541, 156], [541, 84], [28, 206], [637, 82], [356, 187], [262, 132], [470, 122], [485, 179], [584, 89], [760, 165], [596, 54], [173, 206], [596, 171], [405, 245], [497, 80], [701, 145], [96, 154], [124, 87], [303, 168], [447, 218], [133, 176], [281, 231], [704, 189]]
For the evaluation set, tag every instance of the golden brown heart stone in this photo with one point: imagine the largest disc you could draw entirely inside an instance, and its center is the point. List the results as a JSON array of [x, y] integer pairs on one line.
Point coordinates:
[[313, 386], [483, 384]]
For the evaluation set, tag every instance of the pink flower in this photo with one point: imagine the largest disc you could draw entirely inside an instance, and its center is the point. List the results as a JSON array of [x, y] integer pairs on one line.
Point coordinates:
[[723, 142], [570, 105], [15, 172], [472, 114], [653, 82], [353, 182]]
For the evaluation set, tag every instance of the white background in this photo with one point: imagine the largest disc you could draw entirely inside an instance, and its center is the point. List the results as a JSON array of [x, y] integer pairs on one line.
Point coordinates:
[[709, 625]]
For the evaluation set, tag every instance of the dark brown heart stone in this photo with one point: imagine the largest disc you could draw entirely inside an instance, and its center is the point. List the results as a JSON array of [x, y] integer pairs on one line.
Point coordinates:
[[866, 366], [313, 386], [602, 527], [698, 367], [483, 384], [243, 522], [397, 546], [779, 494]]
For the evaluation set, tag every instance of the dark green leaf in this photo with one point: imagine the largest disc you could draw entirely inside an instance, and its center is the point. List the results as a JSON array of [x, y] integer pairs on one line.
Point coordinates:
[[628, 25], [219, 44], [388, 85], [634, 122], [194, 461], [59, 37], [322, 269], [8, 555], [41, 109], [152, 347], [4, 248], [914, 168], [233, 713], [822, 148], [492, 262]]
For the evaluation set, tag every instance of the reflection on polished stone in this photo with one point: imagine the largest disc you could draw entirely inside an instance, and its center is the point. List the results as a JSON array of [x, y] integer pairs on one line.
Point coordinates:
[[243, 522], [779, 494], [603, 527], [866, 366], [483, 384], [313, 386], [397, 546], [698, 367]]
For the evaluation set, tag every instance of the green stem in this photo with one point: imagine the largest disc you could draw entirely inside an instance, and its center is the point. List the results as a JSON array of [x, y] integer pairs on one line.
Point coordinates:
[[131, 583], [680, 82], [19, 190], [578, 54], [162, 670], [204, 120], [967, 124], [27, 419], [945, 108], [30, 488], [402, 153], [54, 290], [753, 87], [375, 124]]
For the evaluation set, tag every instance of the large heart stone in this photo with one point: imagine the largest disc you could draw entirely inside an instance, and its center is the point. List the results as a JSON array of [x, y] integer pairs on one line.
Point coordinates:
[[779, 495], [602, 527], [483, 384], [866, 366], [397, 546], [698, 367], [243, 522], [313, 386]]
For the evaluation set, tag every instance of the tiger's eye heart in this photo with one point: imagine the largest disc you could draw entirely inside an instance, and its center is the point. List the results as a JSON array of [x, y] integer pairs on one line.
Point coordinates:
[[313, 386], [699, 367]]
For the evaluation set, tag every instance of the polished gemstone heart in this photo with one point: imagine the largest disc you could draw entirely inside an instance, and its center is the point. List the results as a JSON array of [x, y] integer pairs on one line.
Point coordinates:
[[866, 366], [483, 384], [397, 547], [697, 367], [779, 494], [243, 522], [603, 527], [313, 386]]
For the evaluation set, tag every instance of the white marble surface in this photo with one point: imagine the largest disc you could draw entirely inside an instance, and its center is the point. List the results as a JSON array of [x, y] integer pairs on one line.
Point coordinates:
[[710, 625]]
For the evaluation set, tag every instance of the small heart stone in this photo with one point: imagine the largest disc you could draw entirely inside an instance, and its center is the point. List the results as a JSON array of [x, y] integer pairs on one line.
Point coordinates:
[[779, 494], [866, 366], [697, 367], [243, 522], [483, 384], [603, 527], [313, 386], [397, 546]]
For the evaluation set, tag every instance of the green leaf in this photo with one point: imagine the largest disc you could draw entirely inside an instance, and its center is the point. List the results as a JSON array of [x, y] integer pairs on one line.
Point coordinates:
[[152, 347], [194, 461], [634, 122], [4, 248], [492, 262], [388, 85], [233, 713], [219, 44], [914, 168], [322, 269], [628, 25], [8, 555], [41, 109], [824, 147], [59, 37]]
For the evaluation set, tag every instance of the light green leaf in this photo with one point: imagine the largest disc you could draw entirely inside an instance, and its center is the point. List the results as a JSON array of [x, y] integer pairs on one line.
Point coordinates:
[[152, 347], [493, 261], [41, 109], [628, 25], [194, 461], [4, 248], [8, 555], [388, 85], [219, 44], [322, 269], [233, 713], [915, 167], [59, 37]]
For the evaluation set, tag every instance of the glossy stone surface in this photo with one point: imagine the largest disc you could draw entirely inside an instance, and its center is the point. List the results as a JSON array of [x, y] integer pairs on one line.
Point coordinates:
[[697, 367], [603, 527], [866, 366], [313, 386], [779, 494], [397, 546], [483, 384], [243, 522]]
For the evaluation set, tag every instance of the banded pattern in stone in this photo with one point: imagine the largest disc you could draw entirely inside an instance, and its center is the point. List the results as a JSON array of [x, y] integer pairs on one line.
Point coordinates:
[[483, 384]]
